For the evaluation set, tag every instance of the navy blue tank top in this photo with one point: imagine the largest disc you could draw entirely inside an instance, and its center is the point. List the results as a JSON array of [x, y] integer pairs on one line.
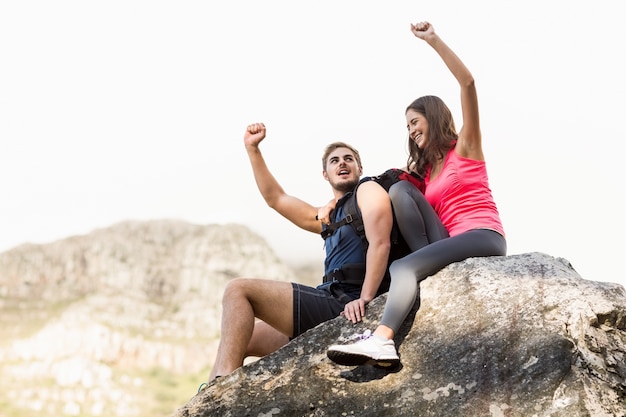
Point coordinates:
[[342, 247]]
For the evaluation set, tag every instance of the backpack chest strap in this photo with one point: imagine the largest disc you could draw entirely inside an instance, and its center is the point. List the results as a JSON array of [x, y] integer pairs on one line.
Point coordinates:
[[351, 274], [332, 228]]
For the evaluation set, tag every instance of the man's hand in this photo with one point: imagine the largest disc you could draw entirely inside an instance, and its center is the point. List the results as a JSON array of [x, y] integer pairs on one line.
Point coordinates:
[[255, 133], [354, 310]]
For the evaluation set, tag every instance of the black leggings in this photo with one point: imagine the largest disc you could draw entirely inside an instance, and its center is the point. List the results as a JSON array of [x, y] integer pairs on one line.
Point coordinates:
[[432, 250]]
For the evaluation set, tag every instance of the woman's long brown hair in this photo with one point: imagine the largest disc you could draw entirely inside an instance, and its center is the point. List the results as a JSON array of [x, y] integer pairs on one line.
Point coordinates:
[[442, 134]]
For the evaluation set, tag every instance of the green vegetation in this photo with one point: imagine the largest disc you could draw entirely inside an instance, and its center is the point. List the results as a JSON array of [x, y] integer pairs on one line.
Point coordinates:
[[167, 391], [149, 393], [20, 320]]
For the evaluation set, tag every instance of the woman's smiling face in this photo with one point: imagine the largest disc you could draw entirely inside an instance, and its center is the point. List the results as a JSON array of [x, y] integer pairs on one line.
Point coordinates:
[[417, 125]]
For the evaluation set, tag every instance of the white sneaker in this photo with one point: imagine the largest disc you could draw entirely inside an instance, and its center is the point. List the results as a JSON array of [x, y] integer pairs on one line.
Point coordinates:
[[370, 350]]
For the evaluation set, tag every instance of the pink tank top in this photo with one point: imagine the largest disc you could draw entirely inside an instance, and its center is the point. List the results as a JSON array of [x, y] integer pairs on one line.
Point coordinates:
[[461, 196]]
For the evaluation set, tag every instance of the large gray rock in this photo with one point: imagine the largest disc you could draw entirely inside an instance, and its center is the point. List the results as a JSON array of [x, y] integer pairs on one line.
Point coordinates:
[[521, 335]]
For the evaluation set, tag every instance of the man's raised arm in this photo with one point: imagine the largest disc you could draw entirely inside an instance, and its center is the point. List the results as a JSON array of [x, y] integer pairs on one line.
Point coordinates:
[[299, 212]]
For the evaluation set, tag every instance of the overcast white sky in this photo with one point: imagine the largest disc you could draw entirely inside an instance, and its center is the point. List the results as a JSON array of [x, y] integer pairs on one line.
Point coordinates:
[[134, 109]]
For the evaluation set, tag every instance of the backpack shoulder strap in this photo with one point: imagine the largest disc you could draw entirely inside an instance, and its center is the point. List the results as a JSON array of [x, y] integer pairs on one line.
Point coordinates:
[[352, 215]]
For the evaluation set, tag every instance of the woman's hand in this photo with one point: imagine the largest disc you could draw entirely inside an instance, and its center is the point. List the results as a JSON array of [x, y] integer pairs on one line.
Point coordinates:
[[323, 213], [422, 29]]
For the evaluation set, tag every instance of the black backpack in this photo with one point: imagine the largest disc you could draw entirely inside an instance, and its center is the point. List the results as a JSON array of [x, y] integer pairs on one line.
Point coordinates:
[[352, 216]]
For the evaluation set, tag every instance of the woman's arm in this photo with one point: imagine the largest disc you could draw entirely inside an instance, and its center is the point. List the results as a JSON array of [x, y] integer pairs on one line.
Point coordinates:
[[469, 143]]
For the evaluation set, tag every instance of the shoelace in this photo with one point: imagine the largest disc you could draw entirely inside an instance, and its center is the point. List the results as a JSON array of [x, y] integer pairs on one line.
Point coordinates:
[[202, 386], [206, 384], [366, 335]]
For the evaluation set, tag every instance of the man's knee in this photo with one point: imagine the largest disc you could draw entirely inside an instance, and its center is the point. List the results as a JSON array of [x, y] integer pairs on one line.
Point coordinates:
[[237, 288], [256, 290]]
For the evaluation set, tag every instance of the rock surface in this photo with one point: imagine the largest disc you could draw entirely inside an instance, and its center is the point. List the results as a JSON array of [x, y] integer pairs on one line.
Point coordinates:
[[522, 335]]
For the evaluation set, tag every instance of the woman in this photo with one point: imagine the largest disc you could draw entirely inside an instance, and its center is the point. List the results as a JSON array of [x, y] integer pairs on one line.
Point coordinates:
[[455, 184]]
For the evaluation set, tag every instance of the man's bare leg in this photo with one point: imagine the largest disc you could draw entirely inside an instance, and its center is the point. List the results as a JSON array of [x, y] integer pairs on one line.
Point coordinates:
[[265, 340], [243, 300]]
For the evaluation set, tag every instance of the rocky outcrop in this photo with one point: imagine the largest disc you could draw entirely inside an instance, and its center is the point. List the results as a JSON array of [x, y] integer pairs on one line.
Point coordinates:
[[123, 321], [162, 260], [521, 335]]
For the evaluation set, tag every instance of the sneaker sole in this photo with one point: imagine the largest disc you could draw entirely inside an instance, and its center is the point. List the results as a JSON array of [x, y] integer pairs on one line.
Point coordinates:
[[355, 359]]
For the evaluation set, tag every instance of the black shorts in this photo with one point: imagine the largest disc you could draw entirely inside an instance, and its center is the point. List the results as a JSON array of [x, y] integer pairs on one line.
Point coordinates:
[[312, 306]]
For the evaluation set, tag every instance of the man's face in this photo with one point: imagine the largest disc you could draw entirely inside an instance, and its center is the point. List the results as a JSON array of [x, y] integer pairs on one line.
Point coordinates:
[[342, 170]]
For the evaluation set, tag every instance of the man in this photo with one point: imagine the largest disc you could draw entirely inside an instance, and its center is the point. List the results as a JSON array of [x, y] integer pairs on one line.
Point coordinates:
[[286, 310]]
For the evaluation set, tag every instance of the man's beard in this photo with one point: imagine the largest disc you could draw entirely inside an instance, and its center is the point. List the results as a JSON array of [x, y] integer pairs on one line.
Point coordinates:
[[345, 186]]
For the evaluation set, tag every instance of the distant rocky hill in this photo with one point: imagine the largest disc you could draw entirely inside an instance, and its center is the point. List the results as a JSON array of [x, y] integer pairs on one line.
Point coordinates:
[[122, 321]]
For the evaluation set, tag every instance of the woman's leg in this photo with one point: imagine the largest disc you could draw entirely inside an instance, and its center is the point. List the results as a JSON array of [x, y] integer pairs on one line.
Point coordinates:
[[417, 220], [407, 272]]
